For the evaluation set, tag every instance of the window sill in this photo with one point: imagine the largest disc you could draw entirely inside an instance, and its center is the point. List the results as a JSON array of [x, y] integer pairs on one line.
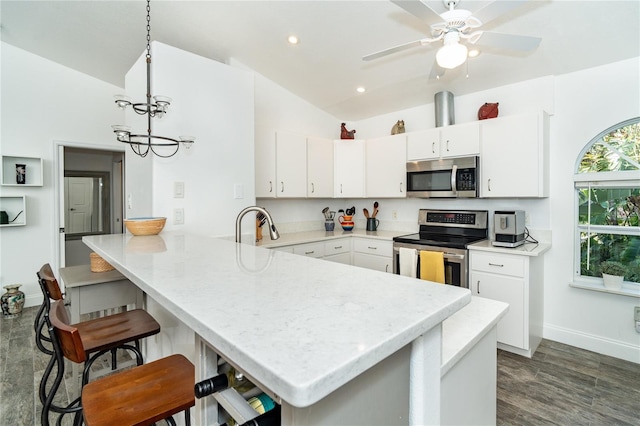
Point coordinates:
[[631, 290]]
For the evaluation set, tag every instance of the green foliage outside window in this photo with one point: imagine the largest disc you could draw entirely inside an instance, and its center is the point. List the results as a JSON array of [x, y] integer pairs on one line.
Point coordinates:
[[601, 207]]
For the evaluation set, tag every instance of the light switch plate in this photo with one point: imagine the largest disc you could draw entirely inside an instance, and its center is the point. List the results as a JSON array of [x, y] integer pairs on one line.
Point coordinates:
[[636, 313], [178, 190], [178, 216]]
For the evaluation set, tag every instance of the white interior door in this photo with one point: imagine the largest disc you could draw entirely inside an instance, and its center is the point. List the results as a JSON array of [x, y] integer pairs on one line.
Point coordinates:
[[78, 204]]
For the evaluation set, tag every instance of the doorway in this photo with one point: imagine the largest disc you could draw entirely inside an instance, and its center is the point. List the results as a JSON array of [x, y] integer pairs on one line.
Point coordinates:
[[90, 196]]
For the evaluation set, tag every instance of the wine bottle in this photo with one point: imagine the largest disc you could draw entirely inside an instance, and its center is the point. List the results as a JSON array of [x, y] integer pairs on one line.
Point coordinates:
[[261, 403], [270, 418], [232, 379]]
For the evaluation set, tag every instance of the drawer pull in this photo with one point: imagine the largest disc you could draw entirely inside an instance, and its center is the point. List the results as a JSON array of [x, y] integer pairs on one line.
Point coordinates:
[[478, 286], [496, 264], [270, 186], [313, 188], [309, 252], [338, 247], [372, 248], [386, 268]]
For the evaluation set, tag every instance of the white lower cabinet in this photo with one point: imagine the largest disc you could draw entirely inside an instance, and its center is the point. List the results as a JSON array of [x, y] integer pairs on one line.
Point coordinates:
[[518, 281], [309, 249], [373, 254], [338, 251]]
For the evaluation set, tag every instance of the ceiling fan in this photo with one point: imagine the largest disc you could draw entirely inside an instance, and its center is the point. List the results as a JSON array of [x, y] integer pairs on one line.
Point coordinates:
[[457, 25]]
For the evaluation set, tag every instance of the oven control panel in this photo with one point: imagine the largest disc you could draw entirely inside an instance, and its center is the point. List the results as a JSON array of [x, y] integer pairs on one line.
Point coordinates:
[[462, 218]]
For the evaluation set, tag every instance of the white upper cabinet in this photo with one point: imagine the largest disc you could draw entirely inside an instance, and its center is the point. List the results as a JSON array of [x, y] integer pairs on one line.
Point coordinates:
[[449, 141], [423, 145], [291, 165], [348, 163], [385, 164], [319, 168], [515, 156], [265, 162], [460, 140]]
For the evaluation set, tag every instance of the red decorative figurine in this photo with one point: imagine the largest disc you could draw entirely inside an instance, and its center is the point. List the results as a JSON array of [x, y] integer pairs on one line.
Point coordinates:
[[346, 134]]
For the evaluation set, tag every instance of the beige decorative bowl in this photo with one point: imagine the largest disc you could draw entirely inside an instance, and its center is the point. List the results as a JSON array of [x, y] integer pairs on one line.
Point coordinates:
[[145, 225]]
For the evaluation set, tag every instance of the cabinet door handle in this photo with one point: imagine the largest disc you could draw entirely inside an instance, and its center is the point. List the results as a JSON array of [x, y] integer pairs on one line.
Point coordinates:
[[341, 188], [281, 186], [400, 186], [433, 147], [313, 188], [386, 267], [447, 145], [489, 184], [372, 248], [478, 286], [496, 264], [270, 186], [309, 252]]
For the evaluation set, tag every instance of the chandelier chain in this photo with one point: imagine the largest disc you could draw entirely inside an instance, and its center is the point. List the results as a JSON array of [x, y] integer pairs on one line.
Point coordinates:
[[148, 28]]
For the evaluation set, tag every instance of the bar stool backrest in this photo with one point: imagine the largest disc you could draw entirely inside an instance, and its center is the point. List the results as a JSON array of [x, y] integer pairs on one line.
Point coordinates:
[[49, 283], [69, 341]]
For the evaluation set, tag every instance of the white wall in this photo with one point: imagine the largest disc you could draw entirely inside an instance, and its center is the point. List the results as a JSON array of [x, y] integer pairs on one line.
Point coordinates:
[[587, 103], [213, 102], [41, 102]]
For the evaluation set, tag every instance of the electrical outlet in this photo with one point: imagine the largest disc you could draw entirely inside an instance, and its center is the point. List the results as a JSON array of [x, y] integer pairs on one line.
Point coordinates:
[[636, 313], [178, 216], [394, 215], [527, 219]]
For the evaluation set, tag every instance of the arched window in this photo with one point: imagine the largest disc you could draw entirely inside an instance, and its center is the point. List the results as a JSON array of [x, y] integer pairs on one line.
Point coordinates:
[[607, 182]]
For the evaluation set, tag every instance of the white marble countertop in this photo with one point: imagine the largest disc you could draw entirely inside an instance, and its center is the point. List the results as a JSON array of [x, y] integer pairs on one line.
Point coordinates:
[[465, 328], [300, 326], [527, 249], [313, 236]]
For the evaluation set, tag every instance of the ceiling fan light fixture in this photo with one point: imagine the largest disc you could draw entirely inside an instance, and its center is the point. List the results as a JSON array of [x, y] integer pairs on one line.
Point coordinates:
[[452, 54]]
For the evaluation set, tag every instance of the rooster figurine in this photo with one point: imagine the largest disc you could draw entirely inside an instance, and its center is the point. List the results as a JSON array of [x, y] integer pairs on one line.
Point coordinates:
[[346, 134]]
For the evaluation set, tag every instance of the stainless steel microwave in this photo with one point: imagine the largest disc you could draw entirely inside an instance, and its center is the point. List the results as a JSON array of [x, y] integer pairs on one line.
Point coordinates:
[[443, 178]]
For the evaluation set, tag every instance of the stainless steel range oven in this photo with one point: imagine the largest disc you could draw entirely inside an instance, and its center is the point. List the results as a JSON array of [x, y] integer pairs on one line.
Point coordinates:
[[447, 231]]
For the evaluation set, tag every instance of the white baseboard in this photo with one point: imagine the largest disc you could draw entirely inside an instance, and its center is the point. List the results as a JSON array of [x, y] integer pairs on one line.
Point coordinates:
[[32, 300], [614, 348]]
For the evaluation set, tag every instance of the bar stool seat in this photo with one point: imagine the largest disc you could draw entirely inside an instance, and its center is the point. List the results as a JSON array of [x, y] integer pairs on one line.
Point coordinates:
[[142, 395]]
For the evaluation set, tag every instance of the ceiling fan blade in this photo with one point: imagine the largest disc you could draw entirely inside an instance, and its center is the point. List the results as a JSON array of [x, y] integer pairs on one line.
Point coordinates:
[[497, 8], [508, 41], [395, 49], [419, 10]]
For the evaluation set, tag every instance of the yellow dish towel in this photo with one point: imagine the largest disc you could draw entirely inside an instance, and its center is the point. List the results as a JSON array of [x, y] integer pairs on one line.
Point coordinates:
[[432, 266]]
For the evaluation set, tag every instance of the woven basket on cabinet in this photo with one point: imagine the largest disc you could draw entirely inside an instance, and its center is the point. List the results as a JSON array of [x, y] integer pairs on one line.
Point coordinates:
[[98, 264]]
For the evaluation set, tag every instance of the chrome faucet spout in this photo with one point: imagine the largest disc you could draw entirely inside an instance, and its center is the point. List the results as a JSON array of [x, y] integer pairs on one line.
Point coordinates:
[[273, 231]]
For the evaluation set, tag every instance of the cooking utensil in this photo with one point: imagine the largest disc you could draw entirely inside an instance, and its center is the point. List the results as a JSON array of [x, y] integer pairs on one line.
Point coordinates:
[[375, 209], [325, 212], [366, 213]]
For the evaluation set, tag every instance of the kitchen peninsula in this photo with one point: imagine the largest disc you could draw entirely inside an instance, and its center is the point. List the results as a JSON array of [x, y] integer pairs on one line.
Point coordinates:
[[332, 343]]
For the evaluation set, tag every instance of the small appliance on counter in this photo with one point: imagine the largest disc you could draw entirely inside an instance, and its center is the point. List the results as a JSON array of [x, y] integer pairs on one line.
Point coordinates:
[[509, 228]]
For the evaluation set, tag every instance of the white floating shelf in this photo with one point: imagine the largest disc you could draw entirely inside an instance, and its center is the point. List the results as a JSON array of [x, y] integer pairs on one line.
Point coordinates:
[[12, 206], [33, 171]]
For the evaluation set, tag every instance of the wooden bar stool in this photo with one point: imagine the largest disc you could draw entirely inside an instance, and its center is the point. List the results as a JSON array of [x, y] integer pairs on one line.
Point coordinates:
[[98, 337], [142, 395]]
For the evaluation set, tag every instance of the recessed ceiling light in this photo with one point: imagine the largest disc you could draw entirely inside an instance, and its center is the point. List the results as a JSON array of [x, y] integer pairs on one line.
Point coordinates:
[[473, 53], [361, 89], [293, 39]]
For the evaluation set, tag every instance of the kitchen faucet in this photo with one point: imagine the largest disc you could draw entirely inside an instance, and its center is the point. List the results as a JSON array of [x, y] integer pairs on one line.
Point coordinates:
[[273, 232]]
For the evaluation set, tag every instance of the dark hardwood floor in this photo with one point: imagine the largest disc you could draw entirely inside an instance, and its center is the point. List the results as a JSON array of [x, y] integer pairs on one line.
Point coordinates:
[[560, 385], [564, 385]]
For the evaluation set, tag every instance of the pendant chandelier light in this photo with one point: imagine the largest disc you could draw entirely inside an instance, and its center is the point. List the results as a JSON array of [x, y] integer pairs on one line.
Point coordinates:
[[155, 106]]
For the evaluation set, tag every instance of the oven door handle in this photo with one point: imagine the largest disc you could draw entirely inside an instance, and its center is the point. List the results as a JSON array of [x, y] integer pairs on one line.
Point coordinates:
[[453, 256]]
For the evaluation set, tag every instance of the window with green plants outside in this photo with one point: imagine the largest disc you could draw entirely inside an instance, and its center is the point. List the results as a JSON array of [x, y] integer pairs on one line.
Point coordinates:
[[607, 183]]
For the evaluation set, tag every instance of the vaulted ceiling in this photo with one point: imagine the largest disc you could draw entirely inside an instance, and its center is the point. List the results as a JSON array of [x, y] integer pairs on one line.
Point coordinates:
[[103, 38]]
